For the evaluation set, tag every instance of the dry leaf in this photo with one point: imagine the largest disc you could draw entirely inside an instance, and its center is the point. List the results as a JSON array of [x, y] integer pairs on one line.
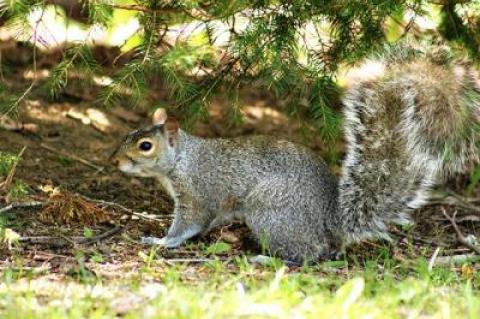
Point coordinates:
[[229, 237]]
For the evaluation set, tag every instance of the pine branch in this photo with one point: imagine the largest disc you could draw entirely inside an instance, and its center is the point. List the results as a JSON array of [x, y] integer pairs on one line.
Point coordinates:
[[129, 81], [14, 105], [77, 57], [196, 13]]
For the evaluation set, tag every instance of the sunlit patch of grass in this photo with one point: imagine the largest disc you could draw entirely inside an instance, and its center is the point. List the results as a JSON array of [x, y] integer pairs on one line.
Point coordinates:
[[18, 190], [236, 288]]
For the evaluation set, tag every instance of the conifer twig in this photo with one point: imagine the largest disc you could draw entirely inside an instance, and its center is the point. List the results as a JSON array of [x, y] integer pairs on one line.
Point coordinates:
[[72, 156], [35, 78], [195, 13]]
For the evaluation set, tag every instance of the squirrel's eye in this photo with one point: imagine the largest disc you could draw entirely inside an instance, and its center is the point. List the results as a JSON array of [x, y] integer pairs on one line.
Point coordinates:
[[145, 146]]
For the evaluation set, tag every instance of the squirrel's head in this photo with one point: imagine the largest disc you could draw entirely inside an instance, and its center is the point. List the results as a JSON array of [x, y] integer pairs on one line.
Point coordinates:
[[149, 151]]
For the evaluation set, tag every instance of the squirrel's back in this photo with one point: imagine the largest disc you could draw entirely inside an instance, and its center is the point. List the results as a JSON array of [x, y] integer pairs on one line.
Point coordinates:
[[237, 165], [407, 128]]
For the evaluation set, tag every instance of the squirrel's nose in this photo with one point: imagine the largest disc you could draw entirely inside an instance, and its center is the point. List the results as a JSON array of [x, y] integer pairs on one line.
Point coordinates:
[[113, 159]]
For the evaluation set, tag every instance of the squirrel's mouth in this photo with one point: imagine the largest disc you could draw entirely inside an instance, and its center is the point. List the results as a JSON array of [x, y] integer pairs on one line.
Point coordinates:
[[128, 166]]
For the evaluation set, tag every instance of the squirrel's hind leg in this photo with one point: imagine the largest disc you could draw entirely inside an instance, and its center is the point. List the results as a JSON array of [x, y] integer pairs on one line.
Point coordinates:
[[279, 233], [222, 219], [287, 219]]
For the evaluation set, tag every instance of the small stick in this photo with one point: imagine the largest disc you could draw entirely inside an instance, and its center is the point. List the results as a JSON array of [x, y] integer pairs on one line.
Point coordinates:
[[123, 208], [47, 240], [20, 205], [60, 241], [418, 239], [101, 236], [432, 260], [72, 156], [469, 218], [47, 256], [450, 198], [456, 259], [187, 260], [460, 236]]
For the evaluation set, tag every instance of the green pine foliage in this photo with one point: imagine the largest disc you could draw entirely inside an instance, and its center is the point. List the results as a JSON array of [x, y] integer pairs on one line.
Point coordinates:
[[294, 48], [77, 58]]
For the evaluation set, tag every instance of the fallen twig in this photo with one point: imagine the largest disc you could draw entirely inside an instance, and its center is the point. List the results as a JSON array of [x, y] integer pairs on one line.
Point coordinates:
[[456, 259], [450, 198], [419, 239], [60, 241], [53, 241], [461, 238], [102, 236], [72, 156], [469, 218], [126, 209], [188, 260], [431, 262], [20, 205], [47, 256]]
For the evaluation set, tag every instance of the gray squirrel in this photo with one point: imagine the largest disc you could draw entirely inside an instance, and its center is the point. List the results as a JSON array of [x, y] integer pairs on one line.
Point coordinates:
[[407, 127]]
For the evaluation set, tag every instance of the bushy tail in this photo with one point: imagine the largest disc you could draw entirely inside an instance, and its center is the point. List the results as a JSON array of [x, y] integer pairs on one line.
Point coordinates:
[[406, 129]]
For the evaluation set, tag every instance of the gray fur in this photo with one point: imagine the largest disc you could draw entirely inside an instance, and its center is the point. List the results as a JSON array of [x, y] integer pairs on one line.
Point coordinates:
[[406, 131]]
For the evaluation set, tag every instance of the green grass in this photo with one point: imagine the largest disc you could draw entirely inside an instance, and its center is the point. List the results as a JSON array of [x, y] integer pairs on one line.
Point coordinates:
[[7, 160], [18, 189], [237, 289]]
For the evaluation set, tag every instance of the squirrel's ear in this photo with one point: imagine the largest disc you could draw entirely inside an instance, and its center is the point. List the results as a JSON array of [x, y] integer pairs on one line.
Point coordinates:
[[172, 126], [159, 117]]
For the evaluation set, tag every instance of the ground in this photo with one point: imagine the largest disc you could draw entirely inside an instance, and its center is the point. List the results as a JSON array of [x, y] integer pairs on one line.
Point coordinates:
[[91, 264]]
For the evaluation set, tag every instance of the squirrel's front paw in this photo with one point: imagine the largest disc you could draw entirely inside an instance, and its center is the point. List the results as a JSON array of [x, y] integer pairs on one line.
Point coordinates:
[[165, 241], [153, 241]]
